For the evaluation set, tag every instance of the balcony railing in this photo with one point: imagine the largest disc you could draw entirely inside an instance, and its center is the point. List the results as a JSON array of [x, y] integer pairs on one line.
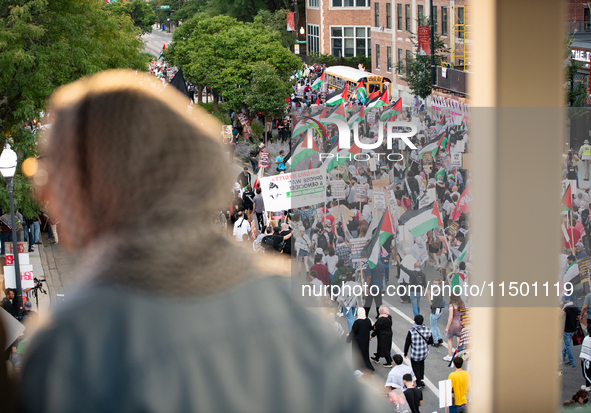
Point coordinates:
[[580, 27]]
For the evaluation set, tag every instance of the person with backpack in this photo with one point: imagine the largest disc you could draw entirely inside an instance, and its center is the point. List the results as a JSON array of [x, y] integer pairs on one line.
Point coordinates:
[[321, 239], [242, 227], [417, 284], [417, 341]]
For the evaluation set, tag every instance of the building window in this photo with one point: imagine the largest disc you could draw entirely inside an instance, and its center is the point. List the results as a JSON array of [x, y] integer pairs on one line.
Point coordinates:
[[350, 41], [434, 17], [408, 57], [421, 15], [349, 3], [388, 15], [461, 22], [312, 3], [388, 59], [377, 56], [377, 14], [400, 62], [407, 7], [444, 21], [399, 15], [313, 39]]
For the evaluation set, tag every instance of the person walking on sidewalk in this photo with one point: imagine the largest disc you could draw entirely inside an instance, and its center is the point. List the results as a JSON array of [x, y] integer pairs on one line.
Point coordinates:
[[359, 335], [382, 329], [436, 300], [417, 284], [571, 313], [417, 341]]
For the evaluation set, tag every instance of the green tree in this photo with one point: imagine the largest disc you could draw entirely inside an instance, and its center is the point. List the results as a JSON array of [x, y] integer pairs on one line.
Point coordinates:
[[44, 45], [576, 92], [222, 53], [417, 70], [139, 11], [276, 22], [267, 92], [163, 15], [190, 9]]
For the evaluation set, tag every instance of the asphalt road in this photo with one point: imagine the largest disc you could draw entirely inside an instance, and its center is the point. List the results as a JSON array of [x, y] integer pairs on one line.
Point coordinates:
[[155, 41]]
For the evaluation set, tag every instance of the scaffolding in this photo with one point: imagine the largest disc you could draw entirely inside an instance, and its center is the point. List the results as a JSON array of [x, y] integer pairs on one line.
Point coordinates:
[[460, 31]]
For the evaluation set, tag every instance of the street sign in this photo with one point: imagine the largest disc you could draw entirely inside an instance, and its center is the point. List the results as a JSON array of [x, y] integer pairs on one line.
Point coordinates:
[[165, 7], [296, 49]]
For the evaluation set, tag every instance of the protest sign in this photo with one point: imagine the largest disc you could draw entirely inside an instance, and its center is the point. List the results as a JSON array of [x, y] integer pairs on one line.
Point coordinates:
[[428, 198], [26, 276], [453, 228], [399, 400], [264, 159], [379, 200], [427, 160], [227, 131], [294, 190], [357, 245], [584, 266], [380, 183], [338, 189], [22, 248], [360, 193], [456, 160], [445, 399], [23, 259]]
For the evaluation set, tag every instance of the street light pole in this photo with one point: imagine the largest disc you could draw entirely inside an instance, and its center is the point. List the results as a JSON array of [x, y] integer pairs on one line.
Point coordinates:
[[18, 300], [8, 160], [432, 45]]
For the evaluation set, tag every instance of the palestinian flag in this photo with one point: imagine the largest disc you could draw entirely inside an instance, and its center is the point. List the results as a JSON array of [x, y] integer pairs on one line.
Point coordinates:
[[318, 82], [385, 229], [301, 126], [464, 203], [357, 117], [439, 173], [342, 157], [393, 111], [339, 112], [299, 74], [431, 146], [567, 201], [464, 252], [338, 97], [304, 149], [360, 92], [381, 102], [423, 220], [317, 101]]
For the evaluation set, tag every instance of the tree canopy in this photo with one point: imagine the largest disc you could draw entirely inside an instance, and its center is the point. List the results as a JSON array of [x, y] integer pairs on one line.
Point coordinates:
[[139, 11], [44, 45], [222, 53]]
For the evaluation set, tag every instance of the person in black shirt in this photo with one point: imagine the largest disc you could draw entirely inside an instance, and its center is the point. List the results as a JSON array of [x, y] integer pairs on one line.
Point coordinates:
[[244, 178], [7, 303], [412, 189], [570, 327], [414, 396]]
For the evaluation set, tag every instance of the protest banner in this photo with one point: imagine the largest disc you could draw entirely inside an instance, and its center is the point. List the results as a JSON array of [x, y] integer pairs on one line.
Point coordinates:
[[456, 160], [264, 158], [338, 189], [360, 193], [428, 198], [380, 183], [453, 228], [427, 160], [227, 131], [379, 200], [26, 276], [357, 245], [294, 190]]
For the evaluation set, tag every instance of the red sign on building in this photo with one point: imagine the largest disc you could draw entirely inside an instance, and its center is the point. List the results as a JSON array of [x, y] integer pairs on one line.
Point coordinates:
[[290, 22], [424, 39]]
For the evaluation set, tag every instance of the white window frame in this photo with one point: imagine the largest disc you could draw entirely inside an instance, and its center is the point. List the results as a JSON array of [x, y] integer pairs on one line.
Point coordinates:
[[310, 6], [367, 39], [311, 36], [366, 7]]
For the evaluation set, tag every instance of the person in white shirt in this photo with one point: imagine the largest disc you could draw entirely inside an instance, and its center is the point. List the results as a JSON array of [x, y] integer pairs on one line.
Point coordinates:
[[317, 287], [241, 228], [330, 261], [394, 380], [586, 360]]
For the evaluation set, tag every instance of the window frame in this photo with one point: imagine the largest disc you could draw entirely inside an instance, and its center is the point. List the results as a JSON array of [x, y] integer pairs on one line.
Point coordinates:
[[377, 14], [313, 39], [388, 15], [367, 38], [312, 6], [378, 56], [389, 59], [399, 68], [399, 16], [421, 14], [407, 16], [444, 18]]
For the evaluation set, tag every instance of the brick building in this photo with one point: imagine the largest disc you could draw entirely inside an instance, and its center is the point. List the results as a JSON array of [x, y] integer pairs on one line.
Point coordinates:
[[339, 27], [578, 16]]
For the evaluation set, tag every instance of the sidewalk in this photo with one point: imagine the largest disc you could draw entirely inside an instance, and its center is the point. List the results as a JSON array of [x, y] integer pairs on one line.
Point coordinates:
[[58, 268]]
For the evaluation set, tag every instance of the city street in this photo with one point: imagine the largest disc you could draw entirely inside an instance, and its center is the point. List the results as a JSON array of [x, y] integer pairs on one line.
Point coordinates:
[[155, 40]]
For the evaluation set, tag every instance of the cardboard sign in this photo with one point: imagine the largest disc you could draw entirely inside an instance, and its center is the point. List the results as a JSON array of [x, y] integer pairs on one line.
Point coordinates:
[[371, 117], [427, 160], [372, 164], [243, 119], [264, 158], [444, 393], [22, 247], [26, 276], [380, 183], [379, 200], [294, 190], [360, 193], [23, 259], [338, 189], [456, 160]]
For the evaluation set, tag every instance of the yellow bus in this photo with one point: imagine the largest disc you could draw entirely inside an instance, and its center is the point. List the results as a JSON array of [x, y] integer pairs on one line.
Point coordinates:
[[336, 76]]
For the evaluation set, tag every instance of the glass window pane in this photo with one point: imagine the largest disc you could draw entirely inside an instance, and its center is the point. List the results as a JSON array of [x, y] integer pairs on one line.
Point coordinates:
[[368, 32], [360, 31], [337, 3], [360, 3], [349, 31], [337, 32], [360, 46], [349, 48], [349, 3], [337, 46], [369, 47]]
